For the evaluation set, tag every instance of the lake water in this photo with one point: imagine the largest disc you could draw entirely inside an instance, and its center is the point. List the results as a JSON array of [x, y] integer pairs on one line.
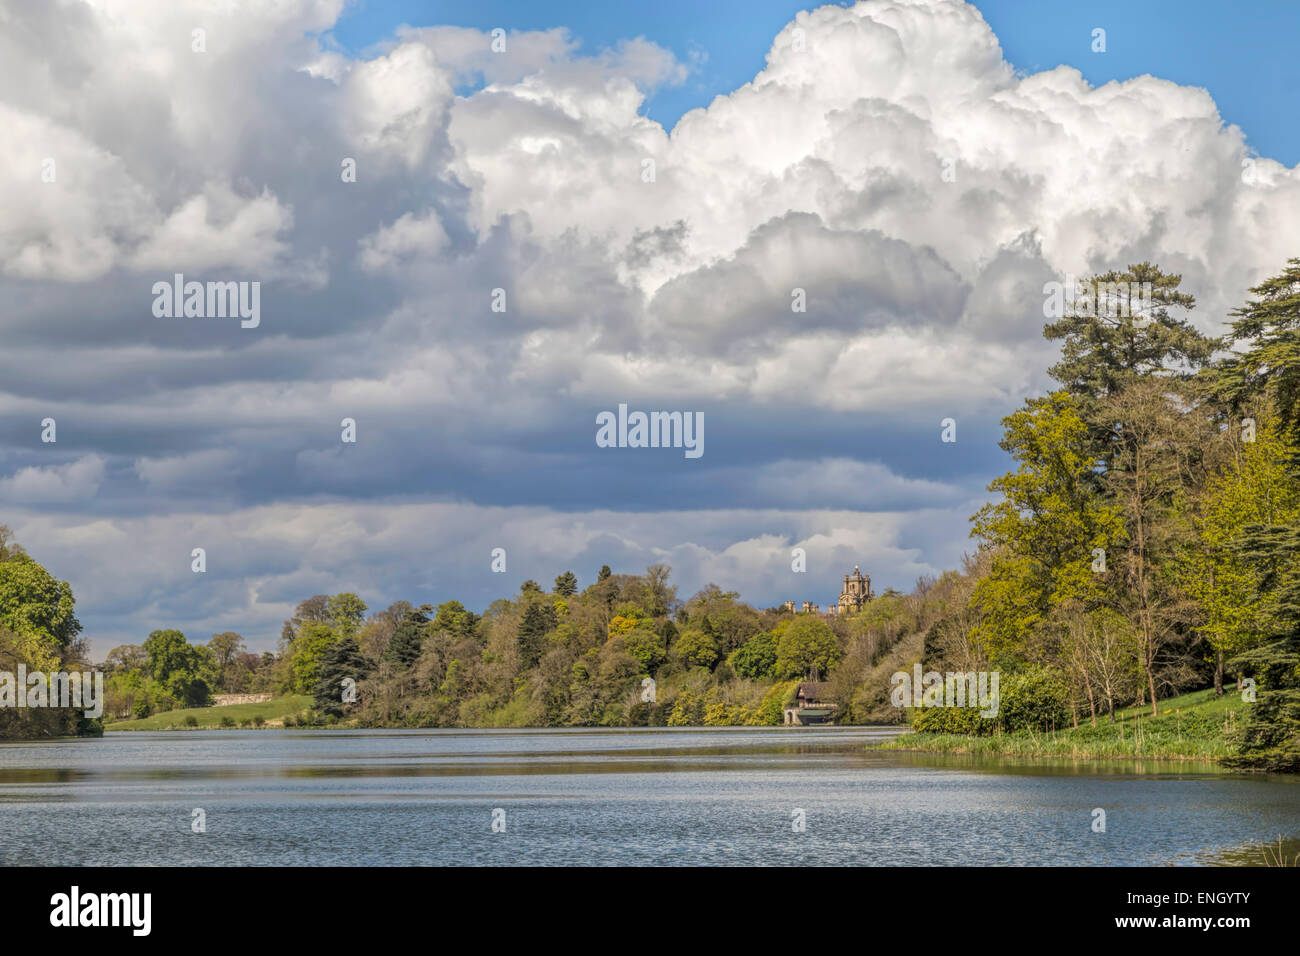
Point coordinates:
[[629, 797]]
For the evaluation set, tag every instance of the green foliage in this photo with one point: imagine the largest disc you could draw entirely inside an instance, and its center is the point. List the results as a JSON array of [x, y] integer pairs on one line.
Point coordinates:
[[756, 658], [186, 672], [805, 647], [1270, 737], [39, 610], [646, 647], [305, 656], [771, 710], [951, 720], [538, 620], [346, 613], [339, 661], [408, 639], [452, 618], [1045, 528], [696, 649], [1268, 371], [1033, 699]]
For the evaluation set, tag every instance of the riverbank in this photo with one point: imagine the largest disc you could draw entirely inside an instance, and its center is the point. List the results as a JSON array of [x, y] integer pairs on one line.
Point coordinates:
[[271, 713], [1195, 726]]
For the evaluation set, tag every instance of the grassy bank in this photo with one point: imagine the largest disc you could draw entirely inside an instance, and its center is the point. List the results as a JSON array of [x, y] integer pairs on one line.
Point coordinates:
[[1190, 727], [272, 714]]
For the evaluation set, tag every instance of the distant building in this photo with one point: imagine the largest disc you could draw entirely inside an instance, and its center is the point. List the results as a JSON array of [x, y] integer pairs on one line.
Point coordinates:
[[853, 597], [856, 593], [812, 705]]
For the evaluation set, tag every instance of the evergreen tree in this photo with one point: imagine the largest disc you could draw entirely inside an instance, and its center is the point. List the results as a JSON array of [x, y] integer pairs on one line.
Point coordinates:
[[1115, 336], [539, 620], [408, 638], [1270, 739], [342, 660], [1271, 365], [566, 585]]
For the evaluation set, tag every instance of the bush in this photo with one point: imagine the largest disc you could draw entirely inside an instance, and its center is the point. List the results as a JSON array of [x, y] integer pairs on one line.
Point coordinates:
[[259, 720], [951, 720], [1034, 699], [227, 721], [191, 721], [141, 709]]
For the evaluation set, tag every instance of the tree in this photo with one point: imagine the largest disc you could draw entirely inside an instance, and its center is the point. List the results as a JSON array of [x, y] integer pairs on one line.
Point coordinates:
[[805, 647], [454, 619], [167, 651], [1159, 437], [40, 611], [1270, 737], [309, 648], [188, 673], [339, 662], [1113, 336], [1044, 532], [645, 646], [125, 658], [660, 596], [538, 620], [228, 649], [566, 584], [604, 572], [9, 548], [1270, 366], [756, 658], [408, 638], [345, 613], [696, 648], [1254, 488], [314, 610]]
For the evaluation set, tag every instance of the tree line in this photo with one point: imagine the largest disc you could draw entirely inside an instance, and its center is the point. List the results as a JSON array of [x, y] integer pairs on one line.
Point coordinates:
[[1145, 543]]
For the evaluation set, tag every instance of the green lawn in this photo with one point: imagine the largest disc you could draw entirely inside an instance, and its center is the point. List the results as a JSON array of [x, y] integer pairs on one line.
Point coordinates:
[[1190, 727], [273, 712]]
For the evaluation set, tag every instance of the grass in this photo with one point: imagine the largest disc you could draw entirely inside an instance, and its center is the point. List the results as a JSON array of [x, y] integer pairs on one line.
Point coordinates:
[[272, 713], [1190, 727]]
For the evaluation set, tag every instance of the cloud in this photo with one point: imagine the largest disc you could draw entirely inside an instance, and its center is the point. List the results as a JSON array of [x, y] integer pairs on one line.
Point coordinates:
[[886, 160], [135, 572], [75, 481]]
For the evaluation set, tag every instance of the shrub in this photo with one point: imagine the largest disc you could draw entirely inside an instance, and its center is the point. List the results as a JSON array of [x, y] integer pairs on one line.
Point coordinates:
[[951, 720], [227, 721], [191, 721], [259, 720], [1033, 699]]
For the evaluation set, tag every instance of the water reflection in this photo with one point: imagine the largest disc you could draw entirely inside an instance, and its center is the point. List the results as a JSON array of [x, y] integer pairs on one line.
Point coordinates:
[[662, 796]]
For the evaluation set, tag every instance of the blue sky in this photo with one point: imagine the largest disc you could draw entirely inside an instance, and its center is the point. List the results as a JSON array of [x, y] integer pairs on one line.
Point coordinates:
[[1246, 56]]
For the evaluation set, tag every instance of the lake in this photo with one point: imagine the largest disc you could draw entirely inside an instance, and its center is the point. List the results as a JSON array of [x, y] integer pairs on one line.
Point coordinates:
[[628, 797]]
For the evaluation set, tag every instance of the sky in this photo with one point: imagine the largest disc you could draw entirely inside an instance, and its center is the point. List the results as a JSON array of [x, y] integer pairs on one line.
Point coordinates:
[[472, 253]]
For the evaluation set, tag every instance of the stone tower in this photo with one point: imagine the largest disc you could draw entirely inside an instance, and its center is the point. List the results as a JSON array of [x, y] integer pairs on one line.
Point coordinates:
[[857, 591]]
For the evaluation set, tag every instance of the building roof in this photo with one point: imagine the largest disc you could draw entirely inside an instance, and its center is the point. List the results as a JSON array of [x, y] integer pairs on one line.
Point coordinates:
[[814, 689]]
